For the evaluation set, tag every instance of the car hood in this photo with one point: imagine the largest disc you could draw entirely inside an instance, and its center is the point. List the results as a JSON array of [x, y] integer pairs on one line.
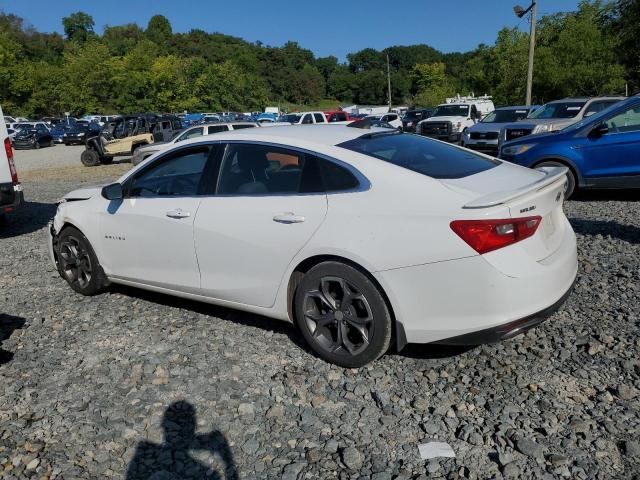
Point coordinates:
[[455, 118], [487, 127], [83, 193], [557, 123]]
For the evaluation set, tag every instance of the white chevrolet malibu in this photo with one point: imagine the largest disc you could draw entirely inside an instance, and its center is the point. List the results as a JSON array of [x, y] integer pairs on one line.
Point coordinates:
[[363, 238]]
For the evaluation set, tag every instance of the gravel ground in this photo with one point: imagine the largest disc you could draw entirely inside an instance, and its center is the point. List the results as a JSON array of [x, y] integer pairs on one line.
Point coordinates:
[[129, 383]]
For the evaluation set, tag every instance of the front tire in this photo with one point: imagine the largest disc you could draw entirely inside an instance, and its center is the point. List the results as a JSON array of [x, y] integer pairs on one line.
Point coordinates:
[[342, 315], [572, 184], [78, 264], [90, 158]]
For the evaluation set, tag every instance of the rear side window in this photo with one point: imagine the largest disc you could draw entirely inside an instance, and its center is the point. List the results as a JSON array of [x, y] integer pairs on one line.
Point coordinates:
[[335, 177], [319, 118], [217, 129], [241, 126], [421, 155]]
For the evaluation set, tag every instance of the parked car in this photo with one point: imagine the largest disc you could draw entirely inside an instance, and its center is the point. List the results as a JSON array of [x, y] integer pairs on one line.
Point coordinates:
[[76, 134], [22, 125], [12, 133], [303, 118], [296, 223], [483, 136], [338, 116], [8, 120], [58, 131], [452, 119], [556, 115], [33, 137], [600, 151], [412, 117], [146, 151], [11, 196], [392, 119]]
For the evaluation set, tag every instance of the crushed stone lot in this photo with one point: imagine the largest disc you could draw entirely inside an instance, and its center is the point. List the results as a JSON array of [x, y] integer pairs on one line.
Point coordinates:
[[132, 384]]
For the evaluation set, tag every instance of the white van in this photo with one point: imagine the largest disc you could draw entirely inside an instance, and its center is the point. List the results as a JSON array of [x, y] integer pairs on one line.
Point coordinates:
[[10, 189], [452, 119]]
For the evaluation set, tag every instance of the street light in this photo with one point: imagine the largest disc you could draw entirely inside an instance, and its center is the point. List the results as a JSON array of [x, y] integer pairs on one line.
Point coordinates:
[[521, 12]]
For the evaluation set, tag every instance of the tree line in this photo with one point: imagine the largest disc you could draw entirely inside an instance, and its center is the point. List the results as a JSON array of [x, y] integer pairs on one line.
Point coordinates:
[[591, 51]]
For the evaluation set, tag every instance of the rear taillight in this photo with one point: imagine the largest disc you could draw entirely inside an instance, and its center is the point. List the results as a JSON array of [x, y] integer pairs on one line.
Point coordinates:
[[488, 235], [12, 166]]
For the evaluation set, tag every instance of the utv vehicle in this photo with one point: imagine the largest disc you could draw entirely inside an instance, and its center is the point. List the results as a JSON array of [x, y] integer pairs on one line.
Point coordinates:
[[122, 136]]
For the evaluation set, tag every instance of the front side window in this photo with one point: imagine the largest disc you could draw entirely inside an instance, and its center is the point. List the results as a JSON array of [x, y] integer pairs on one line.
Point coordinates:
[[625, 122], [249, 169], [307, 119], [421, 155], [216, 129], [318, 117], [177, 175]]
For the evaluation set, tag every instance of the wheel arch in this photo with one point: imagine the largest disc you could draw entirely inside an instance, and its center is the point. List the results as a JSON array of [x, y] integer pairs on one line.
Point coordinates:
[[566, 162], [398, 336]]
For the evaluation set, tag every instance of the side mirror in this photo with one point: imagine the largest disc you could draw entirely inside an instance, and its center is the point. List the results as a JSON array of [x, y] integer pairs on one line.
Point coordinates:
[[113, 192], [600, 130]]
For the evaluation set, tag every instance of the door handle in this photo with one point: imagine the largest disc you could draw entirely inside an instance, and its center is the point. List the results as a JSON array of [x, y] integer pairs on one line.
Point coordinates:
[[178, 213], [288, 217]]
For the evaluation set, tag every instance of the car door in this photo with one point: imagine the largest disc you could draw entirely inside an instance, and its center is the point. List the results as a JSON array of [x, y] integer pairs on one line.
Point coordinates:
[[147, 237], [616, 153], [264, 210]]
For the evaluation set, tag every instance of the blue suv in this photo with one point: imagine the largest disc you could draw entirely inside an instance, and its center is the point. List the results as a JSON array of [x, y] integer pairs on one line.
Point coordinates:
[[601, 151]]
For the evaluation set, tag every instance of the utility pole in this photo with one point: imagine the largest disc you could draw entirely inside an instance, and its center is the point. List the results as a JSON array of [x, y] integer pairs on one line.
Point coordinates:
[[389, 81], [520, 12], [532, 46]]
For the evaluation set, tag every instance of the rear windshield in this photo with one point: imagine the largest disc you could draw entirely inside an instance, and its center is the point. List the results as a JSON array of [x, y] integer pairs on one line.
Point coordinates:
[[422, 155]]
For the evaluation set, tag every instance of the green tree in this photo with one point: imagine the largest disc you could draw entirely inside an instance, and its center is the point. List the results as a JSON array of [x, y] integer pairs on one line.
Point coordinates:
[[430, 83], [78, 26], [159, 30], [121, 39]]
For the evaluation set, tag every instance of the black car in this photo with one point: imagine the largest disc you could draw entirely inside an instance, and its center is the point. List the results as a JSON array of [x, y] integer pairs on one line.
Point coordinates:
[[412, 117], [76, 133], [33, 137]]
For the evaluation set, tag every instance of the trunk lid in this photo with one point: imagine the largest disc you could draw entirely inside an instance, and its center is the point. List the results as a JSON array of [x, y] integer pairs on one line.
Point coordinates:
[[525, 193]]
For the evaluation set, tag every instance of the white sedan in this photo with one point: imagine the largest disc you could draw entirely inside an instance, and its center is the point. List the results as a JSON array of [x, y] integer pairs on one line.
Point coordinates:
[[392, 119], [361, 237]]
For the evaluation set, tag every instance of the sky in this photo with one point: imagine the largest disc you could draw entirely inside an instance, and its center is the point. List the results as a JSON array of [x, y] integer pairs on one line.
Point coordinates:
[[327, 27]]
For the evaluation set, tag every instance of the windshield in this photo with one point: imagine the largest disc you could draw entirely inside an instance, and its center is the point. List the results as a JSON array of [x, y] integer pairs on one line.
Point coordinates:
[[452, 111], [291, 118], [422, 155], [505, 116], [412, 115], [558, 110], [592, 119]]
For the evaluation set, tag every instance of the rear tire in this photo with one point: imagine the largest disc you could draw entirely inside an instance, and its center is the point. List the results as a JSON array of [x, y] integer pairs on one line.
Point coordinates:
[[90, 158], [342, 315], [78, 264], [572, 185]]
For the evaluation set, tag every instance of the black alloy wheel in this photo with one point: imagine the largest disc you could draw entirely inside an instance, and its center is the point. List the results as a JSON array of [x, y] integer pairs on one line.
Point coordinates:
[[342, 315], [77, 263]]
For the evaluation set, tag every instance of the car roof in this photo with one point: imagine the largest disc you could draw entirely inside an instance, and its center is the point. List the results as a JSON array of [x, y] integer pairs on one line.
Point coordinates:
[[329, 135]]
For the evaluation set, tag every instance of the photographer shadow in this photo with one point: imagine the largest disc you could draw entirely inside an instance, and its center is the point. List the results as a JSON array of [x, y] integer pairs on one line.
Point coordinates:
[[173, 458]]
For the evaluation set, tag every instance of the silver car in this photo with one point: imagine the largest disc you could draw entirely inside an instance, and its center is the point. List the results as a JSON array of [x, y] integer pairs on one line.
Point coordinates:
[[557, 115], [483, 136]]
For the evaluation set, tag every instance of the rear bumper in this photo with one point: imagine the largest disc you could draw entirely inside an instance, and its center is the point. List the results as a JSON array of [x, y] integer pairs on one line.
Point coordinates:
[[11, 197], [471, 300], [507, 330]]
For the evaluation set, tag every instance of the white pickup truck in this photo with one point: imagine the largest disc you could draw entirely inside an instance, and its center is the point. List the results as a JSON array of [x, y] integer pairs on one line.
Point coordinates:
[[10, 189], [452, 119]]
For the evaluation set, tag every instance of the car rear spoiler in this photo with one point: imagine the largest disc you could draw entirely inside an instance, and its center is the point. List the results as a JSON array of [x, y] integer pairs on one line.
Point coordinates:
[[552, 174]]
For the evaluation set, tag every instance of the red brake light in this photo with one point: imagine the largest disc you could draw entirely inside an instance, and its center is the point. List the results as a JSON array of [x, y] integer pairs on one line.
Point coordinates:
[[12, 166], [488, 235]]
